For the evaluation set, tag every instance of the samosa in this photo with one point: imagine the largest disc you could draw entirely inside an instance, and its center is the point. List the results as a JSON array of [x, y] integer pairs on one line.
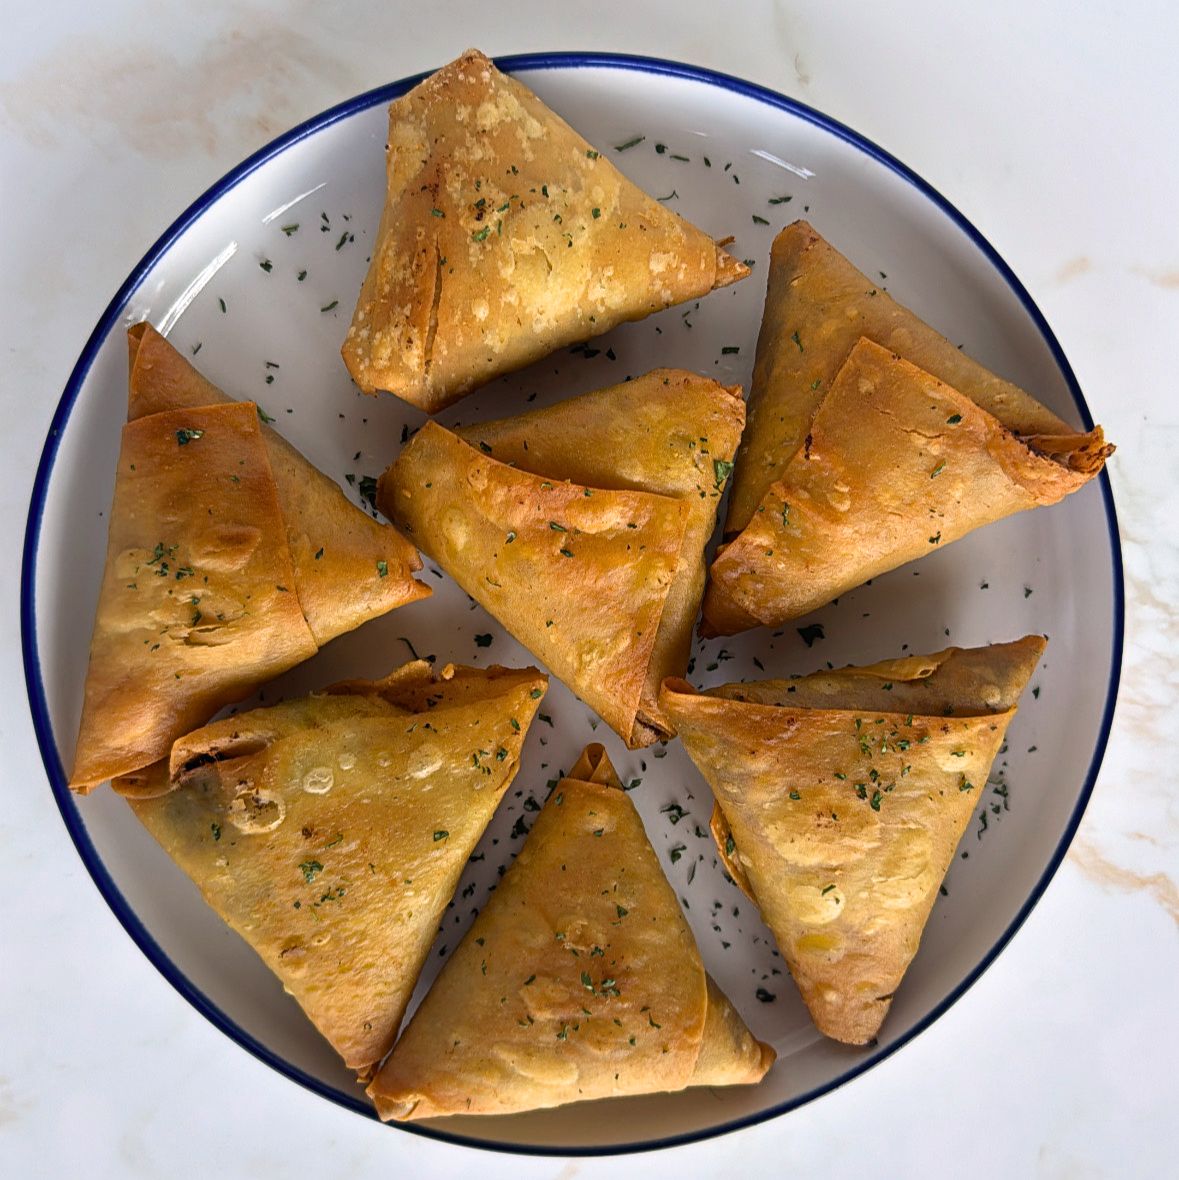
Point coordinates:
[[230, 559], [506, 236], [840, 799], [581, 527], [330, 831], [580, 979], [872, 440]]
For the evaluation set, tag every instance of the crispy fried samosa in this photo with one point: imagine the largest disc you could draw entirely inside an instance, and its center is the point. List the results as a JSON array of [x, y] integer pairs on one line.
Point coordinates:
[[330, 832], [848, 468], [581, 528], [840, 799], [230, 558], [504, 237], [580, 979]]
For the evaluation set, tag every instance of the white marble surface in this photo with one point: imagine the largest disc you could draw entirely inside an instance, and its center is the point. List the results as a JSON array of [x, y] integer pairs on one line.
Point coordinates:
[[1053, 127]]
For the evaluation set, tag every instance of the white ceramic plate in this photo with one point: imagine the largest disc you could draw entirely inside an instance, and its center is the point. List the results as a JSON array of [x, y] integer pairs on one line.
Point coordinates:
[[1056, 571]]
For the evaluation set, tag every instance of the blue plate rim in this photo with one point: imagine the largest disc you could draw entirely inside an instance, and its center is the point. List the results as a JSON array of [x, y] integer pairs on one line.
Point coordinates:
[[67, 804]]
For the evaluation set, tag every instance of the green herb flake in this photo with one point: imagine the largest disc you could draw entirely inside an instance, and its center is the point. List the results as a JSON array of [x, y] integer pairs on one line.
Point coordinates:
[[759, 220], [480, 235], [622, 147], [794, 337], [186, 434], [383, 569], [441, 834], [216, 830], [330, 306], [721, 470], [953, 419], [810, 633], [310, 870]]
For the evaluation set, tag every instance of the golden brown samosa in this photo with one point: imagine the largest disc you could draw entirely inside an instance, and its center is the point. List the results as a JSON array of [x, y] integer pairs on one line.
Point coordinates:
[[505, 236], [230, 558], [330, 832], [867, 433], [580, 979], [840, 799], [581, 528]]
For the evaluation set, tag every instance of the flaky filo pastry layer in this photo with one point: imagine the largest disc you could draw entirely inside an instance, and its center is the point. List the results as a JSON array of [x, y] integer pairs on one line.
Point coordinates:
[[581, 527], [840, 800], [580, 979], [230, 558], [506, 236], [871, 441], [330, 831]]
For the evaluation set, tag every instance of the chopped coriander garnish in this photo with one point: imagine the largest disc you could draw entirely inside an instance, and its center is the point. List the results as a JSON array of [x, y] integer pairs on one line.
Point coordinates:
[[263, 415], [721, 470], [483, 640], [441, 834], [730, 350], [186, 434], [759, 220], [309, 869], [953, 419], [331, 306], [481, 234], [290, 229], [622, 147], [811, 632], [266, 265], [794, 337]]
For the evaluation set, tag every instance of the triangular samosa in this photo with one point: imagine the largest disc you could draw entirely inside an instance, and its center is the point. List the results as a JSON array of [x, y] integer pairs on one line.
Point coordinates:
[[847, 469], [580, 979], [230, 558], [330, 832], [504, 237], [840, 799], [581, 528]]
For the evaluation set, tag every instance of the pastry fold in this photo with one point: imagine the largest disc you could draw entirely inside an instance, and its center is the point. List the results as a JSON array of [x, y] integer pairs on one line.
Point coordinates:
[[580, 979], [505, 236], [581, 528], [871, 440], [330, 831], [230, 558], [840, 800]]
